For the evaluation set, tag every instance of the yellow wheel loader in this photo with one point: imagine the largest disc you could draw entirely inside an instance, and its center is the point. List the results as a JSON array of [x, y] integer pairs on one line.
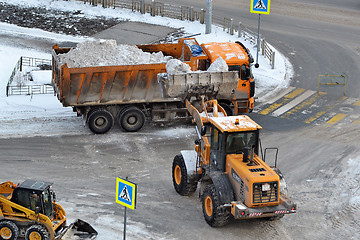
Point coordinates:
[[30, 210], [234, 179]]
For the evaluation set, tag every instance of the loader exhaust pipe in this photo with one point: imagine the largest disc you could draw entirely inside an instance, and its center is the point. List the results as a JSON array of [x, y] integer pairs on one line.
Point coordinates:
[[249, 156]]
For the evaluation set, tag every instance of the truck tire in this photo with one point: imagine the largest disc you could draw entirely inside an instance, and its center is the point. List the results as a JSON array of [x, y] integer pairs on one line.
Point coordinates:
[[214, 214], [131, 119], [8, 230], [181, 182], [227, 108], [37, 232], [100, 121]]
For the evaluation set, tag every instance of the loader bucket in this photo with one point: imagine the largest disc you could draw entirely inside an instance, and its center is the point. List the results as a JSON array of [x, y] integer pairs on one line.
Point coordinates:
[[78, 230], [210, 84]]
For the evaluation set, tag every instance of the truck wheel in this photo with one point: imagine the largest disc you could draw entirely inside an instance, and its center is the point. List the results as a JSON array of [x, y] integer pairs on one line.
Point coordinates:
[[214, 214], [37, 232], [8, 230], [131, 119], [227, 108], [100, 121], [181, 182]]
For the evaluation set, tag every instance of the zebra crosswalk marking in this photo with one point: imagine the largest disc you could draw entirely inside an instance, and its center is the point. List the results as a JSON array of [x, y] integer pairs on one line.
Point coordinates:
[[301, 106], [319, 114], [287, 98], [293, 103], [336, 118]]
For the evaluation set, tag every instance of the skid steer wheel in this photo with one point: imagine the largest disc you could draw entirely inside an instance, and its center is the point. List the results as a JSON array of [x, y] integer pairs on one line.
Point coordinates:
[[227, 108], [131, 119], [214, 215], [100, 121], [8, 230], [37, 232], [180, 178]]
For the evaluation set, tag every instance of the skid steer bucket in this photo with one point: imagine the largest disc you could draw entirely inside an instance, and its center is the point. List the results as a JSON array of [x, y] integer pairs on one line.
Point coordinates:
[[78, 230]]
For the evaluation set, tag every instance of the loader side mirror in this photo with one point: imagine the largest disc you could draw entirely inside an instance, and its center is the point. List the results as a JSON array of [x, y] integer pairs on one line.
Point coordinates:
[[37, 210], [203, 131]]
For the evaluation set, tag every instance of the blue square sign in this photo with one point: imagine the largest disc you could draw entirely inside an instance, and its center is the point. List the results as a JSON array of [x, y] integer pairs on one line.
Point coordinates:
[[126, 193], [260, 6]]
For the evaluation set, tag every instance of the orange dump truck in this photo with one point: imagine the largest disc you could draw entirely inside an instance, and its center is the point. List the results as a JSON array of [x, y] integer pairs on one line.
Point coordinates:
[[129, 94]]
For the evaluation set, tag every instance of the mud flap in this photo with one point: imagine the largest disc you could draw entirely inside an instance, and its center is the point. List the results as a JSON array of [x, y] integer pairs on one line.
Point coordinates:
[[78, 230]]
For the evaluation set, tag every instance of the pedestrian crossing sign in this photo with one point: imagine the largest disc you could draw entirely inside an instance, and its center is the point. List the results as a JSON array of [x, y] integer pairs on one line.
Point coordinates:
[[126, 193], [260, 6]]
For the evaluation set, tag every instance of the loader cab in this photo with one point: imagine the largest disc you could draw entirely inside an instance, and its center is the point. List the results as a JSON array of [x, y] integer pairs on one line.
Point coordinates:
[[232, 135], [36, 196]]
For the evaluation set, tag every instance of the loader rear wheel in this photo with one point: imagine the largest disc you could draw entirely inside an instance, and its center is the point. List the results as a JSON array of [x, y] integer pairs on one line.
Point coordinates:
[[181, 182], [37, 232], [131, 119], [100, 121], [8, 230], [214, 214]]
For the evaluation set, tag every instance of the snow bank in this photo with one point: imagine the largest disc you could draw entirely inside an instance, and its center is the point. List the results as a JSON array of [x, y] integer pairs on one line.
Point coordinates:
[[93, 53]]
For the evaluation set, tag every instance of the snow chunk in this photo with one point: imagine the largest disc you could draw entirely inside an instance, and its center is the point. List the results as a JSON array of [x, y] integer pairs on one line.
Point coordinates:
[[219, 65], [108, 53], [175, 66]]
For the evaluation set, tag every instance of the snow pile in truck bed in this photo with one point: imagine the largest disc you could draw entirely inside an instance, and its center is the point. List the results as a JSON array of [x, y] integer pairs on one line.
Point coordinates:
[[108, 53], [219, 65], [175, 66]]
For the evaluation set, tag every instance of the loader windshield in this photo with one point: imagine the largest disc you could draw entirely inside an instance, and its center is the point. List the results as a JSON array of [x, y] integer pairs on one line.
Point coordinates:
[[236, 142]]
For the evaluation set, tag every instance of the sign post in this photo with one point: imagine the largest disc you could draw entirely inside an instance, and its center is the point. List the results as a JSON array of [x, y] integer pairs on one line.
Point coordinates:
[[126, 196], [259, 7]]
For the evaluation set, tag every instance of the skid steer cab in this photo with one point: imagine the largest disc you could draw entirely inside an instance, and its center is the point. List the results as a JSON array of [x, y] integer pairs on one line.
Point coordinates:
[[234, 179], [30, 210]]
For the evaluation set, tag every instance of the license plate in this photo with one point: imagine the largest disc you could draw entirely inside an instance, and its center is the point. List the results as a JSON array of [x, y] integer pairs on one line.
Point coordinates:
[[265, 187]]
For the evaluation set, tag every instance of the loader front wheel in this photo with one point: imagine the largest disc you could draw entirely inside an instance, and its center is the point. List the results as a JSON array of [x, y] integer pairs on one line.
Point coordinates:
[[214, 214], [227, 108], [131, 119], [181, 182], [8, 230], [37, 232], [100, 121]]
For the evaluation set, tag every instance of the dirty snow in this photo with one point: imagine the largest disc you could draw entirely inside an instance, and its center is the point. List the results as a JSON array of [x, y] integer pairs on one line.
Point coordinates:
[[93, 53]]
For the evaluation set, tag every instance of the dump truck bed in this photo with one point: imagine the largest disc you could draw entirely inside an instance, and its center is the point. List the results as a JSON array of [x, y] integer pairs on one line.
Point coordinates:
[[105, 85]]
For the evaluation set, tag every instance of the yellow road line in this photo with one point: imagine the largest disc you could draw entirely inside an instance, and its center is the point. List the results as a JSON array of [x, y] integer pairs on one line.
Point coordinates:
[[286, 99], [357, 121], [319, 114], [336, 118], [356, 103]]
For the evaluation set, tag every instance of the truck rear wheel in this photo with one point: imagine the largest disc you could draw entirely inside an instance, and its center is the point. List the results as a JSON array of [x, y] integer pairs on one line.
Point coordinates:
[[100, 121], [131, 119], [37, 232], [214, 214], [227, 108], [181, 182], [8, 230]]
